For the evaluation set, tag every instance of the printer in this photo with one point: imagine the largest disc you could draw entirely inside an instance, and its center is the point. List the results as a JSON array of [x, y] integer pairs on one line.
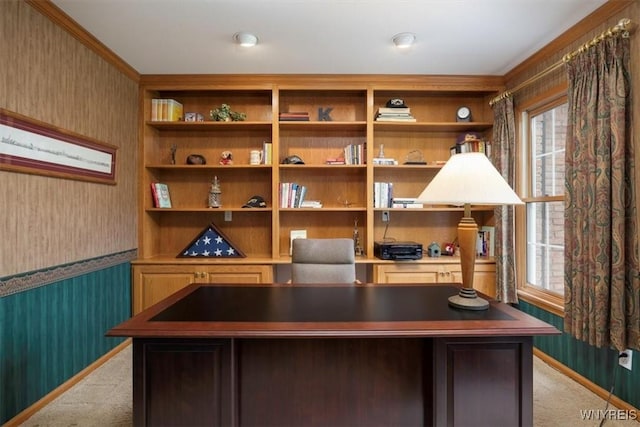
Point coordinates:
[[397, 251]]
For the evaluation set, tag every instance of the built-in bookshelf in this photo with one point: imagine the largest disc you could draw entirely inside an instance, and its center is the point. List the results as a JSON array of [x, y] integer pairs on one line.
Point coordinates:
[[329, 124]]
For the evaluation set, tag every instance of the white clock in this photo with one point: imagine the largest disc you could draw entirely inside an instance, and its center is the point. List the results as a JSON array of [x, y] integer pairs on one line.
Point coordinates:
[[463, 114]]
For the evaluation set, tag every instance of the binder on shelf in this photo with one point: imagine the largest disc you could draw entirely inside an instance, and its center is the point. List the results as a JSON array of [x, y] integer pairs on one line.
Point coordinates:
[[160, 193]]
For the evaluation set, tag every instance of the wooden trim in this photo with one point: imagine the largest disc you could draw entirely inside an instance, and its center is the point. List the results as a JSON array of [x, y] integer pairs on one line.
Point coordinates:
[[23, 416], [548, 301], [585, 382], [64, 21], [321, 82], [576, 32]]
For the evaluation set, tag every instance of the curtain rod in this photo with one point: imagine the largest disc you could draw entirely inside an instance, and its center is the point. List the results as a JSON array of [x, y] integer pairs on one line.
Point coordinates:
[[623, 27]]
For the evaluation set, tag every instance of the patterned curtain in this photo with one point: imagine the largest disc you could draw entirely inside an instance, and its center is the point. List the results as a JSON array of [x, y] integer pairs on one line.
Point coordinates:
[[602, 289], [503, 158]]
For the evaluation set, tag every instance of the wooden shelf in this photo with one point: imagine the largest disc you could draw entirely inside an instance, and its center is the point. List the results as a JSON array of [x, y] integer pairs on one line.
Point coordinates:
[[206, 167], [212, 210], [433, 126], [208, 125]]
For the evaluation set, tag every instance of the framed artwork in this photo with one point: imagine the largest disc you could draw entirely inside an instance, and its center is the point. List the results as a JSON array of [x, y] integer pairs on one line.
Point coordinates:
[[31, 146]]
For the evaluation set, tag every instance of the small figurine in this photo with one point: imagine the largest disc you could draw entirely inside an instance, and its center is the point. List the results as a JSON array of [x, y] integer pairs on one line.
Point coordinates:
[[215, 194], [226, 158], [174, 147], [356, 239]]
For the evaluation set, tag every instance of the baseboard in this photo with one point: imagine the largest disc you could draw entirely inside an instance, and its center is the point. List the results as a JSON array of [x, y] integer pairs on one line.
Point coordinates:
[[31, 410], [585, 382]]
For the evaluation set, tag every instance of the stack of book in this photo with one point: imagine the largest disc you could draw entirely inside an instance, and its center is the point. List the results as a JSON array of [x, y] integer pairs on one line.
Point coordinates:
[[335, 161], [406, 202], [387, 114], [477, 146], [166, 110], [485, 244], [160, 194], [386, 161], [311, 204], [354, 154], [382, 194], [471, 143], [292, 194], [300, 116]]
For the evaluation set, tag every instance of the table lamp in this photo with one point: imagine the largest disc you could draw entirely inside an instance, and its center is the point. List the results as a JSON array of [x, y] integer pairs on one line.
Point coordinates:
[[466, 179]]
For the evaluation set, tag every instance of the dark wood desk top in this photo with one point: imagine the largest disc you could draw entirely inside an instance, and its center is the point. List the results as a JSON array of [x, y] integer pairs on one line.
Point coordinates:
[[276, 310]]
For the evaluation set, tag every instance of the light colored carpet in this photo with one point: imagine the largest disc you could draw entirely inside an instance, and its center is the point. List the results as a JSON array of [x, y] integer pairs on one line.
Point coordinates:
[[103, 398]]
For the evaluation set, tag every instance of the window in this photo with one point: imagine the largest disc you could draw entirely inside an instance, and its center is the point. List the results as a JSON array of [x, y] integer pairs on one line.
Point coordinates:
[[544, 204]]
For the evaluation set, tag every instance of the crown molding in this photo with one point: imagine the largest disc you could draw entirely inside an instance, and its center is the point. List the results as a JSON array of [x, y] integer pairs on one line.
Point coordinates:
[[577, 32]]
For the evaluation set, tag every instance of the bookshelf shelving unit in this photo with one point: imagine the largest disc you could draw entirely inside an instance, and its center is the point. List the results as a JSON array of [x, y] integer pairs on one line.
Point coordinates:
[[341, 112]]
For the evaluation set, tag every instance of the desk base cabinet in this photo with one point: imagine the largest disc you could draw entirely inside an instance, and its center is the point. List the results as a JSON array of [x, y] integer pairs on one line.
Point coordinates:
[[333, 381]]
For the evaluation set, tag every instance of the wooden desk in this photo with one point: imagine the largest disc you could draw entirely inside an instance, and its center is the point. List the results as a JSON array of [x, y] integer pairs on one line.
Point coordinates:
[[330, 355]]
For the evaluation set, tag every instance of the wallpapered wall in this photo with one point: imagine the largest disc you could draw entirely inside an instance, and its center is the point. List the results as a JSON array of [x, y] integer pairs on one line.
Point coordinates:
[[49, 76]]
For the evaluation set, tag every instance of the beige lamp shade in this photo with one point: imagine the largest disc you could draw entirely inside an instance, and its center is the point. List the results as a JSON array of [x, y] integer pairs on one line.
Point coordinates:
[[469, 178]]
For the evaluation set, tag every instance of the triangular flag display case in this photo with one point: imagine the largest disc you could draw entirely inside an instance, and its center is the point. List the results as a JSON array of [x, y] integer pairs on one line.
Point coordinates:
[[211, 243]]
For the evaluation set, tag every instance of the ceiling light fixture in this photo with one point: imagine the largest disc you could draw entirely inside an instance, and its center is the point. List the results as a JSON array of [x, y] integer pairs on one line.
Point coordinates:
[[404, 40], [245, 39]]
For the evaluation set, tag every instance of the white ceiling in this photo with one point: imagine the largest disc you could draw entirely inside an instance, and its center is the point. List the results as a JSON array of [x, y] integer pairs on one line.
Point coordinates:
[[474, 37]]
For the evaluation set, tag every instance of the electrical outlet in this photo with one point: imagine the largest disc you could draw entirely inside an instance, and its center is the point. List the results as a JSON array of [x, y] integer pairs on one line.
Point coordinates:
[[625, 361], [227, 216], [385, 216]]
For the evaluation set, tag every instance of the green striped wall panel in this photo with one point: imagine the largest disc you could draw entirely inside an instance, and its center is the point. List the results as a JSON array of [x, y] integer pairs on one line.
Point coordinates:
[[599, 365], [49, 333]]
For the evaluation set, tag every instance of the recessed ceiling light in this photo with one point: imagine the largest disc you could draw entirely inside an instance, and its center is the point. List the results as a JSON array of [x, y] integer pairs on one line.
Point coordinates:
[[245, 39], [404, 40]]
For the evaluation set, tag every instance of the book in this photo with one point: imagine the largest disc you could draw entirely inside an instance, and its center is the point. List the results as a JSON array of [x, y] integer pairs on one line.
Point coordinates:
[[384, 161], [335, 161], [311, 204], [407, 205], [490, 237], [300, 116], [390, 110], [174, 111], [161, 196], [395, 119], [267, 152]]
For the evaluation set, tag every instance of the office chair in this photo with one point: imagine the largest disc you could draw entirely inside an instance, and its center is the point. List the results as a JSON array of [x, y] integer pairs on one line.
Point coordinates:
[[323, 261]]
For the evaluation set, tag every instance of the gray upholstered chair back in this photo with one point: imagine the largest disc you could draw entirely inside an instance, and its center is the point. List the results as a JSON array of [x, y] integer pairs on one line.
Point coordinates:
[[323, 261]]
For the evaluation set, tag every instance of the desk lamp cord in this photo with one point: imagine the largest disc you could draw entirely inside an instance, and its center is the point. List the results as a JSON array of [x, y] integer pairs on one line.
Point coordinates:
[[613, 384]]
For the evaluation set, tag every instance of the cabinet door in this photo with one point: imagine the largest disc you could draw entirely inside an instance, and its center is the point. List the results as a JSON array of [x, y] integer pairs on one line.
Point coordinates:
[[406, 273], [152, 287], [242, 274], [484, 277]]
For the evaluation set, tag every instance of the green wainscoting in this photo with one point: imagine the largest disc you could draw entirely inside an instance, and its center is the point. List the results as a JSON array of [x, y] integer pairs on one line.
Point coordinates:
[[595, 364], [51, 332]]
